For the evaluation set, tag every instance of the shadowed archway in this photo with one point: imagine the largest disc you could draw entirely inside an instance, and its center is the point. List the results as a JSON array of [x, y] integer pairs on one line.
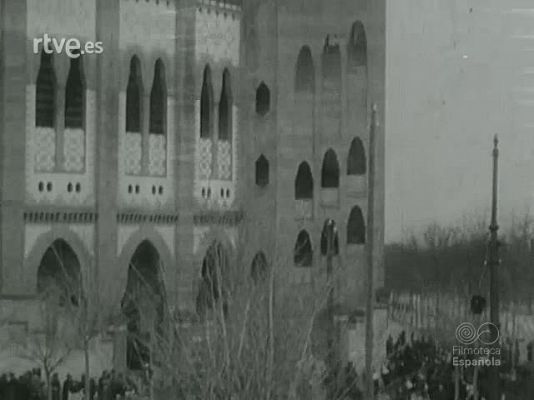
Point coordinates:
[[212, 288], [143, 304], [58, 275]]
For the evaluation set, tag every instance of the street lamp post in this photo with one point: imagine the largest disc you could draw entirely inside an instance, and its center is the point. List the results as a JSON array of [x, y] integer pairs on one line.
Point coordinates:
[[330, 251], [370, 304], [493, 264]]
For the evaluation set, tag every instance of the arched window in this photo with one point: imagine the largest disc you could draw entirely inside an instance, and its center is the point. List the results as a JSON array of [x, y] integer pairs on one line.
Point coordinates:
[[356, 227], [206, 105], [329, 231], [357, 47], [305, 71], [303, 253], [330, 170], [258, 268], [356, 163], [134, 96], [263, 99], [262, 171], [304, 182], [45, 93], [74, 95], [158, 97], [225, 108], [331, 62]]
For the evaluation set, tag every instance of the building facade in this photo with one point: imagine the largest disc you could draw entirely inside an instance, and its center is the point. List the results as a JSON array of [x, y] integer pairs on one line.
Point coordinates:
[[203, 124]]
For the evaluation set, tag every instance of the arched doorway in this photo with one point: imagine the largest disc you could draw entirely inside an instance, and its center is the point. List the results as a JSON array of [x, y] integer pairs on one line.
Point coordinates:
[[143, 304], [58, 275], [213, 286]]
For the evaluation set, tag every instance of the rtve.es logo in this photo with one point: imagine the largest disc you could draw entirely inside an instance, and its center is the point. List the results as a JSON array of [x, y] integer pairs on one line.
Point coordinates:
[[72, 47]]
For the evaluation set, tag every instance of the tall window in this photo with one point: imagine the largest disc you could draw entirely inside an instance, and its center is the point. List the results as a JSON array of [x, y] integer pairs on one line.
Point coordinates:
[[305, 71], [133, 97], [158, 98], [356, 227], [74, 95], [263, 99], [356, 163], [331, 61], [304, 182], [262, 171], [330, 170], [225, 108], [45, 95], [206, 104], [303, 253], [357, 47]]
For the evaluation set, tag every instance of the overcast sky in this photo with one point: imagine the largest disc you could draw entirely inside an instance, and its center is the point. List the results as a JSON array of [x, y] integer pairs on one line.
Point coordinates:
[[458, 72]]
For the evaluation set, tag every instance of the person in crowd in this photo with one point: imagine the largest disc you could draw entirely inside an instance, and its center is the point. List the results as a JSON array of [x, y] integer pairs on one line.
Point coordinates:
[[56, 387], [67, 387]]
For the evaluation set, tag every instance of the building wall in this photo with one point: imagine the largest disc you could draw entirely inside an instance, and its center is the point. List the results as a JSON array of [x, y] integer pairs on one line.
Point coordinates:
[[109, 217]]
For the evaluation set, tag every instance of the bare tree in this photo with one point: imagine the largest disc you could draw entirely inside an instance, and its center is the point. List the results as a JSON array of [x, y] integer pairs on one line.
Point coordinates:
[[253, 338]]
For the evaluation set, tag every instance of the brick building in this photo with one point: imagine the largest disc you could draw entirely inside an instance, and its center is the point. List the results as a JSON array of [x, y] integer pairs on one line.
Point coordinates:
[[200, 121]]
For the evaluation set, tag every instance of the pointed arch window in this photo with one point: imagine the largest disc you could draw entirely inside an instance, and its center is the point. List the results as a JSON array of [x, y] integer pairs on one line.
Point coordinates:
[[305, 71], [303, 252], [263, 99], [158, 97], [304, 182], [225, 108], [356, 227], [74, 95], [356, 163], [330, 171], [357, 47], [134, 96], [45, 95], [331, 61], [206, 105], [262, 171]]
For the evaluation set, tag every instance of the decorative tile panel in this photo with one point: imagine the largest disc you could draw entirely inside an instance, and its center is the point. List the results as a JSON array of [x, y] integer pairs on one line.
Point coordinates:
[[217, 36], [157, 155], [149, 24], [132, 153], [74, 150], [44, 144], [152, 188], [224, 159], [72, 182], [205, 158]]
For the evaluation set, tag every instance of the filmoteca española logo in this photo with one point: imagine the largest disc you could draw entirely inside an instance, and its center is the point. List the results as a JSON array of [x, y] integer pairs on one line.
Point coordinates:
[[467, 333], [478, 346]]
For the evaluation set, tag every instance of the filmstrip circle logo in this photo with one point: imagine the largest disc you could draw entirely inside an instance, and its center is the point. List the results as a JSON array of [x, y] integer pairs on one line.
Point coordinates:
[[467, 333], [72, 47], [479, 346]]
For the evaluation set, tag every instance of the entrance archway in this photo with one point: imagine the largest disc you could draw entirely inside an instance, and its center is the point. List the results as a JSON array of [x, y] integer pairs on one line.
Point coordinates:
[[58, 275], [143, 304], [212, 288]]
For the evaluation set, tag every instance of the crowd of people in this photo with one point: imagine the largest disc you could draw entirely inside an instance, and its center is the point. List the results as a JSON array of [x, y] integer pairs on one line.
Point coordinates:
[[419, 369], [32, 386]]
